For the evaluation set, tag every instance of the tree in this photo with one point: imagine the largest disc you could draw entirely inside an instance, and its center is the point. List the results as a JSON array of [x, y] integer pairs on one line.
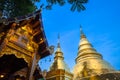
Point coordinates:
[[13, 8], [76, 4]]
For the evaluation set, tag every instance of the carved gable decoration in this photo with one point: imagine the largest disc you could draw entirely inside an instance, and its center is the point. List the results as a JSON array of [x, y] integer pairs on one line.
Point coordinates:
[[27, 32]]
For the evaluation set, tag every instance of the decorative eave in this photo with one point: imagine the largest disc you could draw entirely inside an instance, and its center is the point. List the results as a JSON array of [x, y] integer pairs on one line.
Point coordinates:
[[35, 21]]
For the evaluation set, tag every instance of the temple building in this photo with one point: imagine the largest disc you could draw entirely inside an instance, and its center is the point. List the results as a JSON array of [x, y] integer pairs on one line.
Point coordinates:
[[90, 64], [59, 69], [22, 44]]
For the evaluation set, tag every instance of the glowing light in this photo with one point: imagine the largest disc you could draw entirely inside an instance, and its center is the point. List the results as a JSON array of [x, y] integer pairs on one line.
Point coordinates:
[[1, 76], [18, 79]]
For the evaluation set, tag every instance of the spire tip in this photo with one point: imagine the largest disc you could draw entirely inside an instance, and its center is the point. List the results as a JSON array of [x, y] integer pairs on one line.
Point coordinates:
[[81, 32], [58, 41]]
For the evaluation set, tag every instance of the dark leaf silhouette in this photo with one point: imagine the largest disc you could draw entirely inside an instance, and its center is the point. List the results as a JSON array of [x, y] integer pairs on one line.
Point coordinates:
[[14, 8]]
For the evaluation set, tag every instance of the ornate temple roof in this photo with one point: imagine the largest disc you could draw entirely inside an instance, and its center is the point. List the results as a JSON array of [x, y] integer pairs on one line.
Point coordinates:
[[89, 61], [59, 62], [35, 20]]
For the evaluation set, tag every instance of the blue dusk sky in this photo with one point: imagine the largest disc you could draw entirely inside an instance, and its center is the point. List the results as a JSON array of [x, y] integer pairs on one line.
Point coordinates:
[[100, 22]]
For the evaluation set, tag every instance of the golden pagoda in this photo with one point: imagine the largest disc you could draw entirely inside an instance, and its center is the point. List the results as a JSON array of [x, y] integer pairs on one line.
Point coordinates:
[[59, 69], [90, 64], [22, 45]]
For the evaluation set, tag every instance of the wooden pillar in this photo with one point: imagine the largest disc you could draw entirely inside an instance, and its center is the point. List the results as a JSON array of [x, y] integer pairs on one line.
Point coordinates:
[[33, 66]]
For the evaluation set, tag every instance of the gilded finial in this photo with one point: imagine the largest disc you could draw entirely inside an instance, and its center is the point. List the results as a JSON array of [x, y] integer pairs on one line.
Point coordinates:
[[58, 46], [82, 35]]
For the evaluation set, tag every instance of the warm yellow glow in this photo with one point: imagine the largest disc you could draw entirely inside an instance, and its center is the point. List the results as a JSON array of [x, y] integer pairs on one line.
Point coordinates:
[[27, 28], [29, 47], [41, 39], [18, 79], [93, 78], [1, 76], [24, 28]]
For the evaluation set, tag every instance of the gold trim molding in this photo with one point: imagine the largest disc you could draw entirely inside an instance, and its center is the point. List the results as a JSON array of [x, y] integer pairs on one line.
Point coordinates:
[[18, 54]]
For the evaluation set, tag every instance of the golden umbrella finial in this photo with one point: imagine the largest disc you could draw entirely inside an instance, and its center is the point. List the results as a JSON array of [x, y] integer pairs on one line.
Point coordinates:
[[82, 35], [58, 46]]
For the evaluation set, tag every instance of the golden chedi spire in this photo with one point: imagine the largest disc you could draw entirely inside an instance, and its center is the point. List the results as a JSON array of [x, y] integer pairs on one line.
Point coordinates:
[[89, 62], [58, 53], [59, 62], [85, 47]]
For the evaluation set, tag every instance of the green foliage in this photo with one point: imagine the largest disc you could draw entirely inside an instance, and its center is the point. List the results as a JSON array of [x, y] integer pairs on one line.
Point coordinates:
[[13, 8], [76, 4]]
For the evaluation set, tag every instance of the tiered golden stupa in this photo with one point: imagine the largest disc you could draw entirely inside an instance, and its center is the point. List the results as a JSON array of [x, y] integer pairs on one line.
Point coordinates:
[[59, 69], [91, 65]]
